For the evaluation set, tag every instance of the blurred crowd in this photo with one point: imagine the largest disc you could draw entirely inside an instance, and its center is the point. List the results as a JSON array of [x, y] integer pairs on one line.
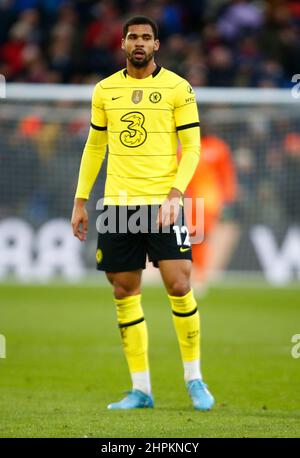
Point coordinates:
[[210, 42]]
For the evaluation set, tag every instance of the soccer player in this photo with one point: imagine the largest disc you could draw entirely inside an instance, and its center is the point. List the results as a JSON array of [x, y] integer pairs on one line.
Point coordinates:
[[140, 112]]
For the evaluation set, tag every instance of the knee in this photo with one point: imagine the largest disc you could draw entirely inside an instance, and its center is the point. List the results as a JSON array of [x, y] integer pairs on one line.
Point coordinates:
[[121, 290], [179, 287], [122, 286]]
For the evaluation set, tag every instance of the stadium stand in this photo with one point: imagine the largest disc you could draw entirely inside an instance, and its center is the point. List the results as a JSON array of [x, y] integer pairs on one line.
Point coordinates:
[[217, 43]]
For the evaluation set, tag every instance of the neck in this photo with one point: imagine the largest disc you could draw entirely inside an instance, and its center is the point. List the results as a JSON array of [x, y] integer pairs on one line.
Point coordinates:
[[142, 72]]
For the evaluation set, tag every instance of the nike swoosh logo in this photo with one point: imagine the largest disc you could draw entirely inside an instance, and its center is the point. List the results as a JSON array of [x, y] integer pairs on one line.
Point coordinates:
[[115, 98], [183, 250]]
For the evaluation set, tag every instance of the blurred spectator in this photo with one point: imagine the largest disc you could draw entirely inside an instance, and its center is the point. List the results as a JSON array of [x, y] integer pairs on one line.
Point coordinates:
[[215, 182], [238, 19], [221, 67]]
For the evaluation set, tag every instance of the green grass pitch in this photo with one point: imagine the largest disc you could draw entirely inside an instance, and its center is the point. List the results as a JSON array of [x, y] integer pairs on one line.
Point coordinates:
[[64, 365]]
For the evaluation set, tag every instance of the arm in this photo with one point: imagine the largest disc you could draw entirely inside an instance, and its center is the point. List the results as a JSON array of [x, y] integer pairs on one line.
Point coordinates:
[[190, 153], [91, 161]]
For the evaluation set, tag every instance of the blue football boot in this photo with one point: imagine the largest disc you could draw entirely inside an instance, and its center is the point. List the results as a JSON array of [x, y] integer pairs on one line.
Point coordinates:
[[135, 399], [201, 398]]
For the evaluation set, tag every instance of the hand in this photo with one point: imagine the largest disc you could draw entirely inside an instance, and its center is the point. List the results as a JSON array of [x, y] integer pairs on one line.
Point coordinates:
[[80, 219], [169, 210]]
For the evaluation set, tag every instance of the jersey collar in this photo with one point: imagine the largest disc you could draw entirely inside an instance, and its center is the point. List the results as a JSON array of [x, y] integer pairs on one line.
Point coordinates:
[[156, 72]]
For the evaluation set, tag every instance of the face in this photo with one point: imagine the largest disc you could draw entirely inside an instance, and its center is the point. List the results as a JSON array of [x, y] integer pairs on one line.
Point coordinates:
[[139, 44]]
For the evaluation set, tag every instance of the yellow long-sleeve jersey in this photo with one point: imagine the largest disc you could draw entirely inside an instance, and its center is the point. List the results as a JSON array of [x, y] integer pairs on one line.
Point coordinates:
[[141, 120]]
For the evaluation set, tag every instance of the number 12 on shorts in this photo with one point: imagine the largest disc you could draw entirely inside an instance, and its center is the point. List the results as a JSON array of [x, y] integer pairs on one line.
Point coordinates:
[[180, 233]]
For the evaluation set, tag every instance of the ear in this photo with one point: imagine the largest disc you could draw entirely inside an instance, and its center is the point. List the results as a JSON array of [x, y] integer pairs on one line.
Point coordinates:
[[123, 43], [156, 45]]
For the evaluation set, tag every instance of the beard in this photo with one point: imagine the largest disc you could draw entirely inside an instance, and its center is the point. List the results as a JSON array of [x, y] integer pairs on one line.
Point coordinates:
[[139, 63]]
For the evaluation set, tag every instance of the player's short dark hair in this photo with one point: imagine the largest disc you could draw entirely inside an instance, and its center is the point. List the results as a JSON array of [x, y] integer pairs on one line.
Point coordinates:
[[137, 20]]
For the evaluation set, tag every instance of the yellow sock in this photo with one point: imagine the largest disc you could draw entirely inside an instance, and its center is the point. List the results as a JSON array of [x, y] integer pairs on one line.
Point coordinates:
[[133, 333], [187, 324]]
